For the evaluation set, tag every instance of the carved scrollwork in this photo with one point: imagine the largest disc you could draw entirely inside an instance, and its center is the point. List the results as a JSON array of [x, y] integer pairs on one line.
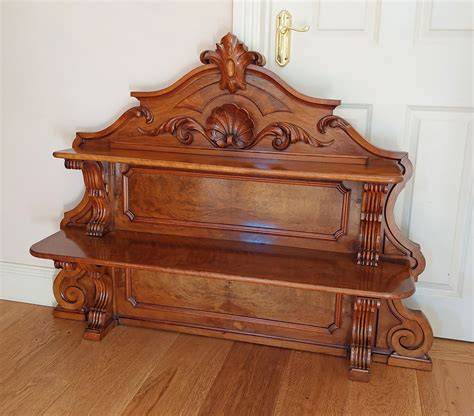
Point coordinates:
[[363, 336], [100, 315], [413, 336], [183, 128], [232, 58], [371, 215], [285, 134], [232, 126], [333, 122], [95, 205], [72, 291], [142, 111]]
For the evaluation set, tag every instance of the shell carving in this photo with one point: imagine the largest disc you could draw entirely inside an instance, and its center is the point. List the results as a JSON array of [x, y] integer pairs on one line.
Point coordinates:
[[230, 125]]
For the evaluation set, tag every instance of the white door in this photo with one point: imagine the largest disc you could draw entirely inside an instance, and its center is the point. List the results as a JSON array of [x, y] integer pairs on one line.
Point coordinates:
[[403, 70]]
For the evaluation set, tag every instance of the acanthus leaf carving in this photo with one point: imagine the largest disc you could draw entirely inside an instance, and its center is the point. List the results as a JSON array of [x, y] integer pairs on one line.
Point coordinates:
[[232, 126], [232, 58], [183, 128], [333, 122], [285, 134]]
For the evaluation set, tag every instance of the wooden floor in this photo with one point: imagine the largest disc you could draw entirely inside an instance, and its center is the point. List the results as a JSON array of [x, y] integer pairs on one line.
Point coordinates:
[[46, 368]]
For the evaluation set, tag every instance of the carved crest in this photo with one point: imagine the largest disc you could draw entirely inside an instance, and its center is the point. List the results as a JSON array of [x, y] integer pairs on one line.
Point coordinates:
[[232, 57], [231, 126]]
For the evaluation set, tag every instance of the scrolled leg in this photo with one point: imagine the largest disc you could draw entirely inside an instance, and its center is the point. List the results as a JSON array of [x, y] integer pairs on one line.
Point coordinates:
[[100, 318], [363, 336], [73, 291], [411, 339]]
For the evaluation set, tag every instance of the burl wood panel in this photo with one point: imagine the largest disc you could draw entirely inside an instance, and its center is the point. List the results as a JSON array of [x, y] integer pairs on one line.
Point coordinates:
[[189, 303], [311, 210], [146, 288]]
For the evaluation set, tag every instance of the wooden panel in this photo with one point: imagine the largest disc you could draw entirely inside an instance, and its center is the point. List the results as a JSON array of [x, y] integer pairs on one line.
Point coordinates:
[[244, 311], [237, 204], [146, 288]]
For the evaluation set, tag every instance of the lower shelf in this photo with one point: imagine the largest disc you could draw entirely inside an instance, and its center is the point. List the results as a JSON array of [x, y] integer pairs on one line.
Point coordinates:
[[280, 296], [230, 260]]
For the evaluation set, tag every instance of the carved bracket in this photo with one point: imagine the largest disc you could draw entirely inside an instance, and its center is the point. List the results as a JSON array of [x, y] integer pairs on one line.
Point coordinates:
[[412, 338], [73, 292], [363, 337], [100, 318], [232, 58], [370, 221], [84, 292], [95, 205], [230, 125]]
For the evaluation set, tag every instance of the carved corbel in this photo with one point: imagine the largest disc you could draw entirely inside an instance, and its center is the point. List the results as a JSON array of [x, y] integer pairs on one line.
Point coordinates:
[[100, 318], [84, 293], [73, 291], [363, 337], [411, 339], [371, 215], [93, 210]]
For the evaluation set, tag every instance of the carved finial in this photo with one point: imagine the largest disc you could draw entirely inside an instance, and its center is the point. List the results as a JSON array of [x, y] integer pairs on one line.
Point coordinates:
[[232, 57]]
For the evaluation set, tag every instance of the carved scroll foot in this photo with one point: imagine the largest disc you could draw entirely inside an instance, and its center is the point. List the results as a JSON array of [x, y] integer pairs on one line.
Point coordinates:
[[100, 318], [363, 336], [411, 339], [73, 291]]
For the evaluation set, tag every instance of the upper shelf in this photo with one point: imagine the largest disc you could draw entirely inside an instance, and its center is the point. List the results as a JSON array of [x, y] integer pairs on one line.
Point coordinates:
[[230, 260], [376, 171]]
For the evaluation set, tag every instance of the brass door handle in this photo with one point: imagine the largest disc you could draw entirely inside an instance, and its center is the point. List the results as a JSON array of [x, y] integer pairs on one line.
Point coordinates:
[[284, 29], [283, 37]]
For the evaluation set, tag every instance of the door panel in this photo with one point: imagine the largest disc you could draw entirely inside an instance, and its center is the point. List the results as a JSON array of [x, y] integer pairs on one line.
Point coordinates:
[[403, 71]]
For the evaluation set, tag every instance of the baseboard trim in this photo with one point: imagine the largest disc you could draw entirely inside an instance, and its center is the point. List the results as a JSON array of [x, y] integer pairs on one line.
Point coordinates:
[[27, 283]]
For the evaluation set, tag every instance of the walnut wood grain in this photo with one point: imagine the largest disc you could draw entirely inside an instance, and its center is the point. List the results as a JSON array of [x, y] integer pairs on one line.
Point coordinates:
[[100, 318], [73, 291], [376, 172], [411, 338], [260, 263], [370, 221], [232, 126], [95, 205], [232, 57], [219, 204], [363, 337]]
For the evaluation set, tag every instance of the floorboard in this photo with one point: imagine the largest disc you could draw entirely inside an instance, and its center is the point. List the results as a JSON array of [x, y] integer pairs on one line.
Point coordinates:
[[46, 368], [180, 382]]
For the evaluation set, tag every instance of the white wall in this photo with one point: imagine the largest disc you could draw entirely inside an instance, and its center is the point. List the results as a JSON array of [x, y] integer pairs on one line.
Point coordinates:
[[69, 66]]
